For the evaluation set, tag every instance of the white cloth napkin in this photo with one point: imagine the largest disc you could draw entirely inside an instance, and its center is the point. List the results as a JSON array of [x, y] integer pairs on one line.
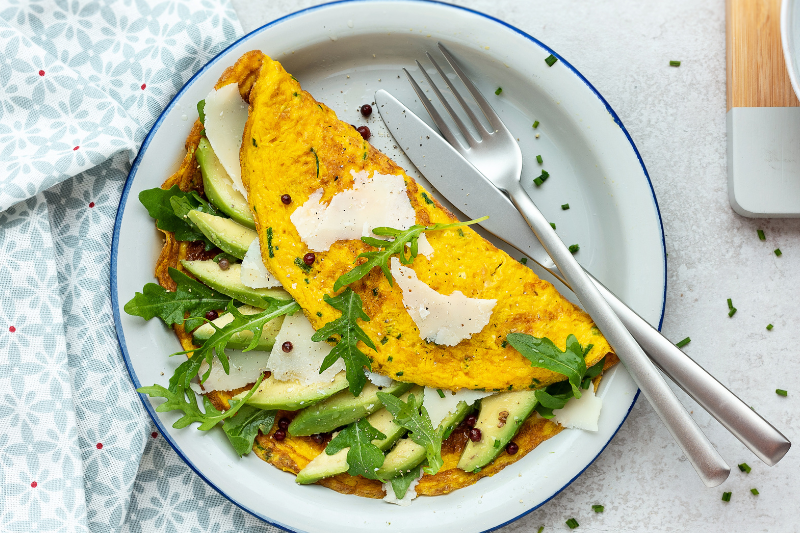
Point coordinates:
[[81, 83]]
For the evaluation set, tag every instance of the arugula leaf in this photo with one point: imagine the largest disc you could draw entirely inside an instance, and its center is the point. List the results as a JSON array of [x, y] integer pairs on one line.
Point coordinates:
[[159, 205], [217, 342], [558, 394], [388, 248], [401, 483], [243, 428], [190, 296], [414, 417], [542, 353], [349, 303], [181, 397], [363, 457]]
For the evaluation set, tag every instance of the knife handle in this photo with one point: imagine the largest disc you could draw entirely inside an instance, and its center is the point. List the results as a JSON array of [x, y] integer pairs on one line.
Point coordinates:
[[749, 427]]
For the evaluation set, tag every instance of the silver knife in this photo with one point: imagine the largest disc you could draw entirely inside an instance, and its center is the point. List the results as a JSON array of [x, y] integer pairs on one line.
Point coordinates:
[[475, 196]]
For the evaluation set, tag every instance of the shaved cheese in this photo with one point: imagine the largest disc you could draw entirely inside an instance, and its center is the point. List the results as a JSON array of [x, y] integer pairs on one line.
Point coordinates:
[[379, 380], [441, 319], [254, 274], [390, 497], [423, 246], [305, 359], [226, 115], [245, 367], [438, 408], [580, 413], [354, 213]]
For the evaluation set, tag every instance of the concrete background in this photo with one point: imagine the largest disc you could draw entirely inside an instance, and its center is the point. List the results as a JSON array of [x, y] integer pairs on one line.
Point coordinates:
[[676, 117]]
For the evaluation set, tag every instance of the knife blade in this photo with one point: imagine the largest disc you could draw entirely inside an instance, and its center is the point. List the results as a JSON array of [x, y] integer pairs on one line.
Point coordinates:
[[474, 195]]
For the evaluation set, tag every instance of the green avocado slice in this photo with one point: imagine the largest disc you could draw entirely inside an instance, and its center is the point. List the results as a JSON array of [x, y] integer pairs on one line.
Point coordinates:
[[241, 340], [218, 186], [293, 395], [226, 233], [342, 409], [499, 420], [229, 283]]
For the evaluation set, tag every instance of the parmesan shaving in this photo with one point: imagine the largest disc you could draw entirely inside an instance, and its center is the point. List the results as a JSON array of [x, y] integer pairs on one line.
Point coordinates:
[[441, 319], [226, 115], [580, 413], [245, 367], [423, 246], [304, 360], [354, 213], [379, 380], [438, 408], [254, 274]]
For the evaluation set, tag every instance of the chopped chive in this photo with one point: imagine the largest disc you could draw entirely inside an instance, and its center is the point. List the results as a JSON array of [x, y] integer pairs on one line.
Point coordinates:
[[497, 444], [544, 175], [536, 125], [598, 508], [541, 528], [574, 248], [754, 491], [745, 468], [674, 63], [730, 303], [781, 392], [769, 327], [732, 312], [572, 523], [684, 342], [499, 90], [440, 392], [553, 225], [761, 235], [551, 60], [385, 340], [254, 142], [726, 496], [524, 260], [778, 252], [539, 159], [538, 181], [398, 374], [565, 207]]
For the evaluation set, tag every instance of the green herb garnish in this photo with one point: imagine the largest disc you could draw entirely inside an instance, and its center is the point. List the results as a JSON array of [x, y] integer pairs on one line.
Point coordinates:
[[745, 468], [316, 158], [243, 428], [201, 111], [726, 496], [598, 508], [769, 327], [731, 308], [761, 235], [190, 297], [414, 417], [674, 63], [363, 457], [572, 523], [524, 260], [302, 265], [781, 392], [181, 397], [498, 91], [573, 248], [754, 492], [684, 342], [535, 124], [539, 159], [553, 225], [391, 247], [551, 60], [254, 142], [564, 207], [542, 177], [427, 199], [349, 303], [269, 242], [778, 252]]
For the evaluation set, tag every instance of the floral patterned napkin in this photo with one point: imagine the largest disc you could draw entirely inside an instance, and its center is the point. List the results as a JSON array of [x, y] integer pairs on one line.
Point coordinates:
[[81, 83]]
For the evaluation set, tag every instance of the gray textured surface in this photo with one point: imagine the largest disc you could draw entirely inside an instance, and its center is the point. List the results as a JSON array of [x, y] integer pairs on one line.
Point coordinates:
[[676, 117]]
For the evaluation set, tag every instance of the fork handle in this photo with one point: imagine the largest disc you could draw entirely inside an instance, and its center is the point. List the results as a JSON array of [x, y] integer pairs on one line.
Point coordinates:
[[706, 461], [761, 437]]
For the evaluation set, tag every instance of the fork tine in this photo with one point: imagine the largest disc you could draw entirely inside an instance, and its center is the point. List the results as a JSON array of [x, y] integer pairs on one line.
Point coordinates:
[[468, 110], [461, 126], [437, 118], [491, 116]]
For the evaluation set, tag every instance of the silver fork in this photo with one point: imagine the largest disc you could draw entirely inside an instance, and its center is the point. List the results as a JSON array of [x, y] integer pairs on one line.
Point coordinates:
[[496, 154]]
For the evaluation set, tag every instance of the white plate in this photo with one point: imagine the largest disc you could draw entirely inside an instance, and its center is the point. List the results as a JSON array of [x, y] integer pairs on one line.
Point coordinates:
[[790, 41], [342, 53]]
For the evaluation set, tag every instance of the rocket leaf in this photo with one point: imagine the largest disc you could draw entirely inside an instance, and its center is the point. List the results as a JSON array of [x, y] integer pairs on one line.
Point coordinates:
[[170, 206], [363, 457], [349, 303], [401, 482], [542, 353], [414, 417], [243, 428], [386, 249], [190, 297]]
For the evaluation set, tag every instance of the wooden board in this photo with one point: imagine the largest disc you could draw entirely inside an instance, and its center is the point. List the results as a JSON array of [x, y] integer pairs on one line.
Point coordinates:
[[757, 74]]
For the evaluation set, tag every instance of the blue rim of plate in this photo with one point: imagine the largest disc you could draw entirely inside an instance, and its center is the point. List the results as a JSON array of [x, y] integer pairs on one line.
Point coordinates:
[[132, 174]]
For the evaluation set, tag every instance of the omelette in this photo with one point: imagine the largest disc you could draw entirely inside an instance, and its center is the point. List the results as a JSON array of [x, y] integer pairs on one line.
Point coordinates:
[[294, 145]]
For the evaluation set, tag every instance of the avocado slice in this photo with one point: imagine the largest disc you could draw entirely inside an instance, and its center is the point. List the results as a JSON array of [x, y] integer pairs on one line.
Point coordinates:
[[226, 233], [342, 409], [293, 395], [407, 454], [497, 430], [325, 465], [229, 283], [241, 340], [218, 186]]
